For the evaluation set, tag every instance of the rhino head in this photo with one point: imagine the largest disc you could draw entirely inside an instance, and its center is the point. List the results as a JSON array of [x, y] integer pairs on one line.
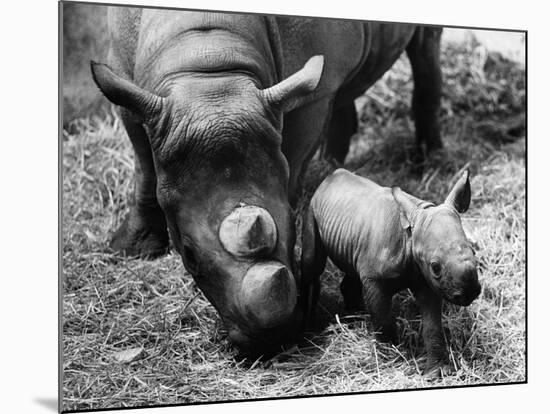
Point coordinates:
[[439, 245], [222, 183]]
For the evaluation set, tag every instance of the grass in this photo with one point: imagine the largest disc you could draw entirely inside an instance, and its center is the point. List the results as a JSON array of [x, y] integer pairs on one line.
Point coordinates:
[[115, 305], [85, 37]]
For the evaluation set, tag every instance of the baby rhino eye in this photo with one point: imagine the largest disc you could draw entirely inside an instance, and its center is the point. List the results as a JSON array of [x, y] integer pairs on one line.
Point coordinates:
[[436, 269]]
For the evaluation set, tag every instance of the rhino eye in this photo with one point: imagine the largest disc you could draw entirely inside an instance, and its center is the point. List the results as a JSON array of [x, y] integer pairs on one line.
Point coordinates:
[[436, 269]]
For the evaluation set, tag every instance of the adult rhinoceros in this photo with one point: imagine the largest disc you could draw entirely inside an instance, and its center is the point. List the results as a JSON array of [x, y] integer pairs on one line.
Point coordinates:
[[224, 111]]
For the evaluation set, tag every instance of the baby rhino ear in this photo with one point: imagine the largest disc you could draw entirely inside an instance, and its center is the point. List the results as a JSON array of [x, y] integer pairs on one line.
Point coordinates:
[[406, 207], [459, 197]]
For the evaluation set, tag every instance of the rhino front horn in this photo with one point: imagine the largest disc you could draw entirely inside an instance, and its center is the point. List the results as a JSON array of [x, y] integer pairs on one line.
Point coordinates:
[[247, 231], [268, 294]]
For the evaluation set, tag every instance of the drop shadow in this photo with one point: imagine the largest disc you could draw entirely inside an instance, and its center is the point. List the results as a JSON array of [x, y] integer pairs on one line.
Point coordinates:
[[51, 404]]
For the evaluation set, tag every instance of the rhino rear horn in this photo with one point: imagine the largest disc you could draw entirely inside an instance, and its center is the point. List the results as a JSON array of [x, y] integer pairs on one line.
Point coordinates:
[[124, 93], [459, 197], [247, 231], [293, 91]]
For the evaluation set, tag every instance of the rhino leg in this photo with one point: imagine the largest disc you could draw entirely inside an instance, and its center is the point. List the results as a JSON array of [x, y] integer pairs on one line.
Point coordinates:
[[352, 291], [343, 125], [143, 232], [312, 264], [304, 128], [437, 363], [423, 52], [378, 300]]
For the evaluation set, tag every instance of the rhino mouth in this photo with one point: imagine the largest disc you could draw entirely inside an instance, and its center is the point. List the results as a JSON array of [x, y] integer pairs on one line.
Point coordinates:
[[264, 343], [464, 297]]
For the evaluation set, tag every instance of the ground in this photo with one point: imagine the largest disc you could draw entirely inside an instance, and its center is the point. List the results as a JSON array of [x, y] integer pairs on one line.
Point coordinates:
[[182, 353]]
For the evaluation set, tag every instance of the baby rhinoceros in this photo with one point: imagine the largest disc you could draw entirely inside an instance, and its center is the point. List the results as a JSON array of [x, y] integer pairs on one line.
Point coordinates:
[[386, 240]]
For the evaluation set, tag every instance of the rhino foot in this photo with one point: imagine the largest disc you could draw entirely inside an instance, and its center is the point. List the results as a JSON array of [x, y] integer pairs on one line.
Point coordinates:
[[437, 370], [388, 335], [139, 237], [431, 142]]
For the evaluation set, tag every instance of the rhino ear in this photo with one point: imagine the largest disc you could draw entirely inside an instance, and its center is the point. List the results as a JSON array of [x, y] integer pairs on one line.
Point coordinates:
[[406, 207], [124, 93], [292, 92], [459, 197]]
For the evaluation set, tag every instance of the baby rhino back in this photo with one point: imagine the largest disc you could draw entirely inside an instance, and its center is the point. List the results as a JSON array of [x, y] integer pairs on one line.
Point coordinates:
[[351, 213]]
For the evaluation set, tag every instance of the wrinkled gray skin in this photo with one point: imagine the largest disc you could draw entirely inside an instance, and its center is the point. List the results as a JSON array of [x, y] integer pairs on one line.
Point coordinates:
[[385, 240], [224, 112]]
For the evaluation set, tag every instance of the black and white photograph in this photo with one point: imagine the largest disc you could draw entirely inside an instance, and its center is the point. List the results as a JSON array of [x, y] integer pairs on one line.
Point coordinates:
[[268, 206]]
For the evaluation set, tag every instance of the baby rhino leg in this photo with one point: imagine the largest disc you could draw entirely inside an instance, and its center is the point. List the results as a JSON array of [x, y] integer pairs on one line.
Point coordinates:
[[378, 301], [432, 332], [352, 291]]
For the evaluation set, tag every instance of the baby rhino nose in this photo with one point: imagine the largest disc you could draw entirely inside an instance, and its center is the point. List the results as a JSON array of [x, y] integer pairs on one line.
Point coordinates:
[[472, 288]]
